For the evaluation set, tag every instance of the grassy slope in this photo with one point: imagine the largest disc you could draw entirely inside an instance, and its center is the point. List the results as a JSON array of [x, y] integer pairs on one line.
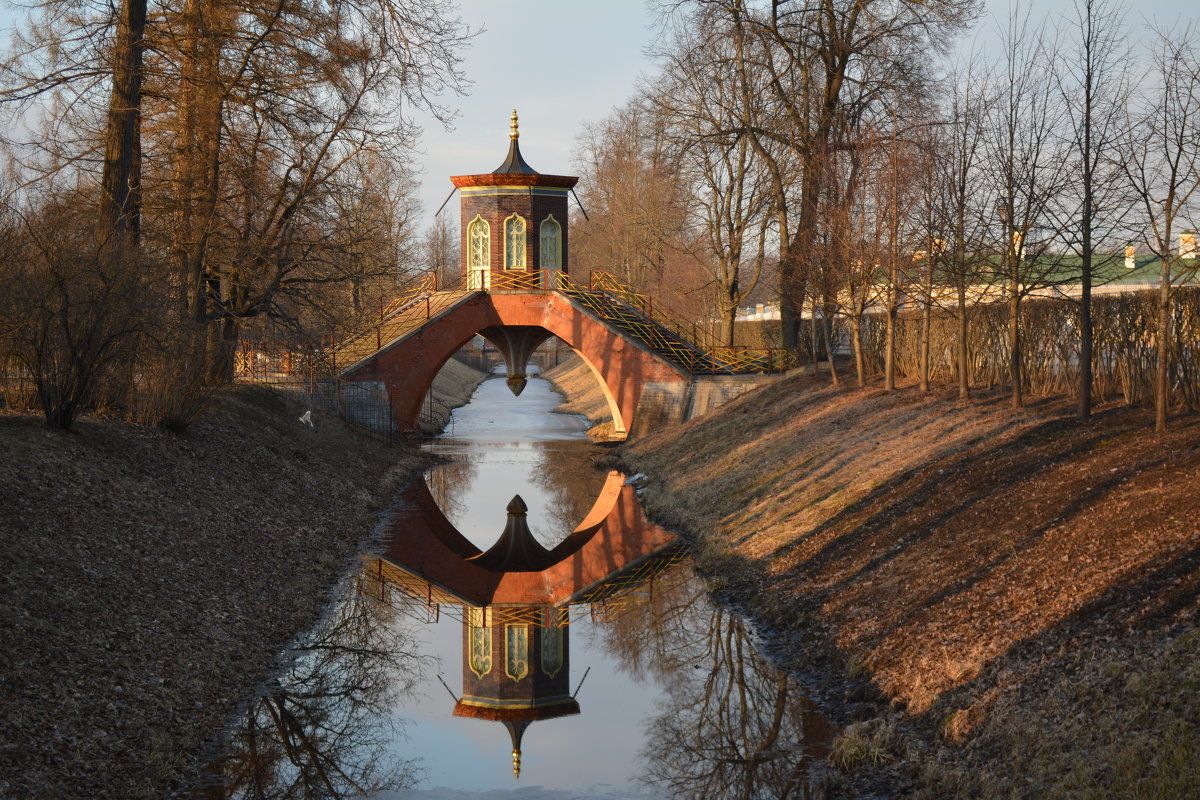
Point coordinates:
[[150, 580], [1022, 588]]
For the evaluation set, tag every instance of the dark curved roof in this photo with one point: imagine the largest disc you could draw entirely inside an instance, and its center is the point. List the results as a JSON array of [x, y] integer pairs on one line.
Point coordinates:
[[516, 550], [514, 164]]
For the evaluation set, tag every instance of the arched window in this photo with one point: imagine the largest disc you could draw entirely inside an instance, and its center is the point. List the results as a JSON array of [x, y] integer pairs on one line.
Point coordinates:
[[516, 651], [550, 252], [479, 242], [479, 253], [480, 641], [552, 651], [514, 242]]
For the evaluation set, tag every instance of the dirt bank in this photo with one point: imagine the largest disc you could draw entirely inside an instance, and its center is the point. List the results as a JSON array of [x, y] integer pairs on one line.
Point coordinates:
[[576, 382], [1008, 597], [150, 580], [452, 387]]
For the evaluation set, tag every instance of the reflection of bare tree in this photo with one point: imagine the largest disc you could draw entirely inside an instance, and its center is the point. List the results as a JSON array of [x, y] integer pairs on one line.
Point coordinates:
[[731, 725], [324, 728], [450, 481], [568, 473]]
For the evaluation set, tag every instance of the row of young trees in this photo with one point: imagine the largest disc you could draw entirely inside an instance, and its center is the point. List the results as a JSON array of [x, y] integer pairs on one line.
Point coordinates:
[[851, 154], [212, 166]]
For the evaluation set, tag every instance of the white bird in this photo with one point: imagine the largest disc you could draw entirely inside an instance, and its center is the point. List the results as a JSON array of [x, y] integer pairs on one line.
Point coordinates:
[[306, 419]]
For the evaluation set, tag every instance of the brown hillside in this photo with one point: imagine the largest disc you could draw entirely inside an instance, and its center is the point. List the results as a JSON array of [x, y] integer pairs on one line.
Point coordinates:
[[151, 579], [1023, 587]]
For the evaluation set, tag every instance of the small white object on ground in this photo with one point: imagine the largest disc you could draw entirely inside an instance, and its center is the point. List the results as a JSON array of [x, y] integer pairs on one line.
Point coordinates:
[[306, 419], [635, 480]]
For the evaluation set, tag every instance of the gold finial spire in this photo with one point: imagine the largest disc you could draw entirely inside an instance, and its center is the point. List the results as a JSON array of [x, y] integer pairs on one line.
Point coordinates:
[[517, 764], [512, 128]]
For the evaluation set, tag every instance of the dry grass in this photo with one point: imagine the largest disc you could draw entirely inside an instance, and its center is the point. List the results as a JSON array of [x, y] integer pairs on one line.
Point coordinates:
[[452, 387], [578, 385], [973, 562], [151, 578]]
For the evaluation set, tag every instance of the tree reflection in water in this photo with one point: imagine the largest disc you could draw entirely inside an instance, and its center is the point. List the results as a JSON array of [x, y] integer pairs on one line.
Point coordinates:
[[730, 726], [324, 729], [569, 475], [447, 481]]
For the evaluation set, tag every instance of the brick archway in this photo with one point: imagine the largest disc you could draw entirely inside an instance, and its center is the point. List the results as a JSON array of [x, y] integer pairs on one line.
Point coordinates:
[[623, 369]]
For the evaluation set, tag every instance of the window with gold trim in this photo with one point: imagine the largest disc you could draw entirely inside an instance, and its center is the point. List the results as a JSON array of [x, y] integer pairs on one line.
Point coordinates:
[[479, 243], [516, 651], [550, 251], [480, 641], [552, 650], [514, 242]]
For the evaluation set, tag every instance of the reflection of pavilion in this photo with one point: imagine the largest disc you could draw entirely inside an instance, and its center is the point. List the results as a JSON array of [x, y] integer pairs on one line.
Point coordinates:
[[517, 597]]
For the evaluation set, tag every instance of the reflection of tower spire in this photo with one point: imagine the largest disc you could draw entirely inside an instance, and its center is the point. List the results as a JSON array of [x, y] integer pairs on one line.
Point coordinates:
[[516, 550], [516, 730]]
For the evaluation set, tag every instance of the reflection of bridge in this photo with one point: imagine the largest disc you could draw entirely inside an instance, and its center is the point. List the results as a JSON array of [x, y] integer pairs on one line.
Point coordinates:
[[652, 366], [515, 599], [612, 553]]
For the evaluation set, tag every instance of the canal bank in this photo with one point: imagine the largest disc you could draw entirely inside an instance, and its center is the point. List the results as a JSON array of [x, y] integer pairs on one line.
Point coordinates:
[[151, 578], [998, 603]]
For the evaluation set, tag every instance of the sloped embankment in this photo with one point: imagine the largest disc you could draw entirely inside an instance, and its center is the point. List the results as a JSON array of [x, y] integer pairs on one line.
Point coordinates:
[[575, 381], [150, 579], [452, 387], [1021, 588]]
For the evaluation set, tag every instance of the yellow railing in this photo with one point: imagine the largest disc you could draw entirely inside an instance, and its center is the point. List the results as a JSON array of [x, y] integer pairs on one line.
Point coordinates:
[[690, 345], [697, 348], [602, 603], [415, 313]]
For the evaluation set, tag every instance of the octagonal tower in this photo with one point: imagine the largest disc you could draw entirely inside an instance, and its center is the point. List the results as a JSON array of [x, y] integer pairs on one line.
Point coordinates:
[[513, 222]]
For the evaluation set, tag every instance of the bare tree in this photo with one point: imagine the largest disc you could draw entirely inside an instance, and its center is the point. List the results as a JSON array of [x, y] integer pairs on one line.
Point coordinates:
[[1161, 160], [442, 249], [633, 197], [729, 194], [1026, 172], [1092, 83]]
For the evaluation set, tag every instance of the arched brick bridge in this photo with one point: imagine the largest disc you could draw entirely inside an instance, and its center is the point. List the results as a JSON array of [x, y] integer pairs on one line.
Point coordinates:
[[650, 367]]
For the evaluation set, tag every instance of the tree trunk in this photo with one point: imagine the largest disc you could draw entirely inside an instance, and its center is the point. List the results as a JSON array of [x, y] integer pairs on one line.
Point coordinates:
[[827, 335], [964, 364], [1161, 384], [889, 349], [1014, 348], [728, 326], [814, 338], [926, 326], [120, 195], [1083, 407], [860, 369]]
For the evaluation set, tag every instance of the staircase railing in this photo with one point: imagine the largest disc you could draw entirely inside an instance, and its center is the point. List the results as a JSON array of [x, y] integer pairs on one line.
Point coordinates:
[[686, 342]]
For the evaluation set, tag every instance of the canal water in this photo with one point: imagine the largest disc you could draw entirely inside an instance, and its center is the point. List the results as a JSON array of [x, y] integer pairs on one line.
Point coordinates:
[[563, 623]]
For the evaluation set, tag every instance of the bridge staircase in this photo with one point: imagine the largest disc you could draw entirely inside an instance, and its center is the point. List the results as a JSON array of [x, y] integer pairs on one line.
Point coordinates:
[[615, 304], [668, 335], [399, 318]]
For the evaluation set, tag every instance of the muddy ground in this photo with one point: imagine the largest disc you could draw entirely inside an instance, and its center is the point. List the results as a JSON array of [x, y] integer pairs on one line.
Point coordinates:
[[996, 603]]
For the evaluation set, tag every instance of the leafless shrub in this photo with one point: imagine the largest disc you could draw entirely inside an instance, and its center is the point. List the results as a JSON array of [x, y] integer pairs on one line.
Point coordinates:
[[1125, 347], [71, 311]]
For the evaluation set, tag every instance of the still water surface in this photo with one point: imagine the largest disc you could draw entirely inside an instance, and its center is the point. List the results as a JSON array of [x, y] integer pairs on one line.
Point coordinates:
[[673, 699]]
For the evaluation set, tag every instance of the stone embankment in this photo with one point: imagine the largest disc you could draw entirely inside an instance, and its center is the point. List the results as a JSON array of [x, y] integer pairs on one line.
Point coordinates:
[[996, 603], [150, 580]]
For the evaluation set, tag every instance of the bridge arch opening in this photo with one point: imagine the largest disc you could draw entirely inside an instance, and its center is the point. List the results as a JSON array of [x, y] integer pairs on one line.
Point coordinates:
[[434, 411]]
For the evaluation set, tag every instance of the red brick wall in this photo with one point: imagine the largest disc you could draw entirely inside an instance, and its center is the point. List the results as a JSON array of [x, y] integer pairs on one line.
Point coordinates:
[[496, 208]]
